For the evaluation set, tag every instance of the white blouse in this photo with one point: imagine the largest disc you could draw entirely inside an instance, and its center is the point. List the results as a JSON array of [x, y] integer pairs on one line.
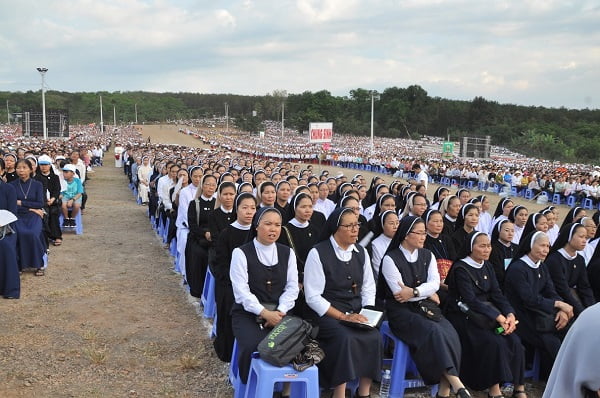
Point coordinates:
[[314, 278], [267, 254], [394, 278]]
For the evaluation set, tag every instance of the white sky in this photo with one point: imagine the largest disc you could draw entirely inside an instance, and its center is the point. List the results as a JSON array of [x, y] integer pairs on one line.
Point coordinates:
[[530, 52]]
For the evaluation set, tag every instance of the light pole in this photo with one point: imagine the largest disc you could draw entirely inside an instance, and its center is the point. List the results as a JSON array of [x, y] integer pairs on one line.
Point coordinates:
[[373, 95], [282, 117], [43, 73], [226, 117], [135, 113]]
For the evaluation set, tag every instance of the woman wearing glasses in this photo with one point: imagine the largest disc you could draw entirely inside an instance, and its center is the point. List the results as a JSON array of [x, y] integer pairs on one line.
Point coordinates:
[[338, 283], [409, 280]]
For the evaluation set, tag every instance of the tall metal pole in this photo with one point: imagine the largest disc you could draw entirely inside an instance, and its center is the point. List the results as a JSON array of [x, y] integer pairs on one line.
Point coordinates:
[[43, 73], [282, 117], [226, 117], [7, 113], [372, 113], [114, 116], [135, 113], [101, 117]]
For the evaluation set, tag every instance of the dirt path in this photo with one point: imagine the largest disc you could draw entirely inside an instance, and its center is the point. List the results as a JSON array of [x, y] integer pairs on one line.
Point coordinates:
[[109, 319]]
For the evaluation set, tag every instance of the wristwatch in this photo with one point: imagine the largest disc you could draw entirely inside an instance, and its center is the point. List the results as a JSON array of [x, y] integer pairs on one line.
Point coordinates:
[[416, 292]]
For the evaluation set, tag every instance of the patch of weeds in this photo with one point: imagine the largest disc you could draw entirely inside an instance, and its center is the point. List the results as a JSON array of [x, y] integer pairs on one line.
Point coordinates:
[[189, 362]]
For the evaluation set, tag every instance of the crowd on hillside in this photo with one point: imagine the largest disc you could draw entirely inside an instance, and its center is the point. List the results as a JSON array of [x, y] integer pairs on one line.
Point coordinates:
[[474, 292]]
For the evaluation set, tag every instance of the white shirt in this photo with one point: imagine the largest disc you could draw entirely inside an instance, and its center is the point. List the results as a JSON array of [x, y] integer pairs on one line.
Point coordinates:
[[369, 212], [164, 184], [423, 178], [485, 222], [314, 278], [393, 277], [517, 235], [186, 195], [267, 254], [324, 206], [378, 247]]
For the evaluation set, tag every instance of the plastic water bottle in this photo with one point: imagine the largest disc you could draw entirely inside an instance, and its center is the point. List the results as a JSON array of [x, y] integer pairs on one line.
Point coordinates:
[[463, 307], [386, 379]]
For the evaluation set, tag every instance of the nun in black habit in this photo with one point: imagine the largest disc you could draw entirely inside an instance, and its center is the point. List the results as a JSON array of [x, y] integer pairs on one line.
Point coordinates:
[[232, 236], [567, 267], [264, 278], [529, 289], [338, 283], [408, 278], [488, 357]]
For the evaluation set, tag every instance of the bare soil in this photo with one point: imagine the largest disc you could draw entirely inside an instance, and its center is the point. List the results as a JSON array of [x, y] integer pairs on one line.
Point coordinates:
[[110, 318]]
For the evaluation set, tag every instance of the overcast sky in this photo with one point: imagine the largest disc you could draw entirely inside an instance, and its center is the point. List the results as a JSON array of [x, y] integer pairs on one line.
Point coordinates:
[[542, 52]]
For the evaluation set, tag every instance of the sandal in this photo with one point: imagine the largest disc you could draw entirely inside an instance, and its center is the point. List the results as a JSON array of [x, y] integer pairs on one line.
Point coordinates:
[[463, 393], [57, 242], [39, 272], [518, 392]]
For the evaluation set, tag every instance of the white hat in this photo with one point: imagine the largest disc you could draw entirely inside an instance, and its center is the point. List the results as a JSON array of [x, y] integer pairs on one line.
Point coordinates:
[[69, 167], [44, 159], [6, 217]]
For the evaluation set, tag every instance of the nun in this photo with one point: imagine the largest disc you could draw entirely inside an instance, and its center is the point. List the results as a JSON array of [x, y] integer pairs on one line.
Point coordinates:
[[503, 249], [567, 267], [232, 236], [10, 281], [264, 278], [488, 357], [338, 283], [542, 313], [409, 280]]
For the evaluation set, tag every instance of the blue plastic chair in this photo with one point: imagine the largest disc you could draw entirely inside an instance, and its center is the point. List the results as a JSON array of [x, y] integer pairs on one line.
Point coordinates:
[[208, 295], [263, 377]]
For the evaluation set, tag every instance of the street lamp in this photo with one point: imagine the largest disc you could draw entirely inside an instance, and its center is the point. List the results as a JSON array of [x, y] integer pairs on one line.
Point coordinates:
[[226, 117], [43, 73], [374, 95]]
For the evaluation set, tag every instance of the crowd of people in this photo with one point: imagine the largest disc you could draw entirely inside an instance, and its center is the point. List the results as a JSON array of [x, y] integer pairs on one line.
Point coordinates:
[[474, 293], [42, 192]]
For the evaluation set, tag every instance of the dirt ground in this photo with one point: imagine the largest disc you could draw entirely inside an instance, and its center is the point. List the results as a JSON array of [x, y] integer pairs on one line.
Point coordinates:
[[110, 318]]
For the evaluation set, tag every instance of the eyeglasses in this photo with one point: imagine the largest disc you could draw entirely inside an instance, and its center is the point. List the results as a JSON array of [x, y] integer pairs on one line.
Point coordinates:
[[420, 204], [418, 233], [350, 227]]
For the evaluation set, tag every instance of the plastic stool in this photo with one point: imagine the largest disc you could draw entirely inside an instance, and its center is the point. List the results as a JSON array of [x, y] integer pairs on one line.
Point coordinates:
[[173, 247], [78, 223], [534, 372], [208, 295], [556, 199], [213, 331], [401, 363], [588, 203], [234, 374], [571, 200], [528, 194], [263, 377]]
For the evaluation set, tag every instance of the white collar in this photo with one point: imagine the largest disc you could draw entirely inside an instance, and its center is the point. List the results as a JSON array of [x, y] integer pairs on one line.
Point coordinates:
[[224, 210], [473, 263], [530, 262], [450, 218], [337, 247], [299, 224], [567, 255], [237, 225], [205, 198]]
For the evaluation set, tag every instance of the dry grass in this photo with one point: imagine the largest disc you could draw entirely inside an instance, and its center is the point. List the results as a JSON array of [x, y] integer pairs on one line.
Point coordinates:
[[96, 355], [188, 362]]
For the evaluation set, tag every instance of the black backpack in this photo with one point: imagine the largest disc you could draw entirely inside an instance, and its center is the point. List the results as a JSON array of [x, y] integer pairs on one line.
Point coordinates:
[[286, 340]]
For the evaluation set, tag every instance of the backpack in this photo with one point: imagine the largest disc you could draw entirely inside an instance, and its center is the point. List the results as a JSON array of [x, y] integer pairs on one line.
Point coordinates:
[[286, 340]]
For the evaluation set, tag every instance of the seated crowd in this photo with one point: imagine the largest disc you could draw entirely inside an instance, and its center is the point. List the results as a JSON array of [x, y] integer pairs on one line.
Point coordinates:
[[40, 183], [280, 239]]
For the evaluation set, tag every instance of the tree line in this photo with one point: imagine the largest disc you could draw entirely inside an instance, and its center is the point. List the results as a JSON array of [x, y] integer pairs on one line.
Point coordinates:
[[552, 133]]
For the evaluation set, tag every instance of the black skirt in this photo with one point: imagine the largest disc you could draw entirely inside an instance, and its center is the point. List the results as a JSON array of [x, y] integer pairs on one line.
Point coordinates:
[[488, 358], [434, 346], [349, 353], [248, 335]]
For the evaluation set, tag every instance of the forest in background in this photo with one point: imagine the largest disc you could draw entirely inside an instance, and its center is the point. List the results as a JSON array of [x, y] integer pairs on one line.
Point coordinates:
[[552, 133]]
